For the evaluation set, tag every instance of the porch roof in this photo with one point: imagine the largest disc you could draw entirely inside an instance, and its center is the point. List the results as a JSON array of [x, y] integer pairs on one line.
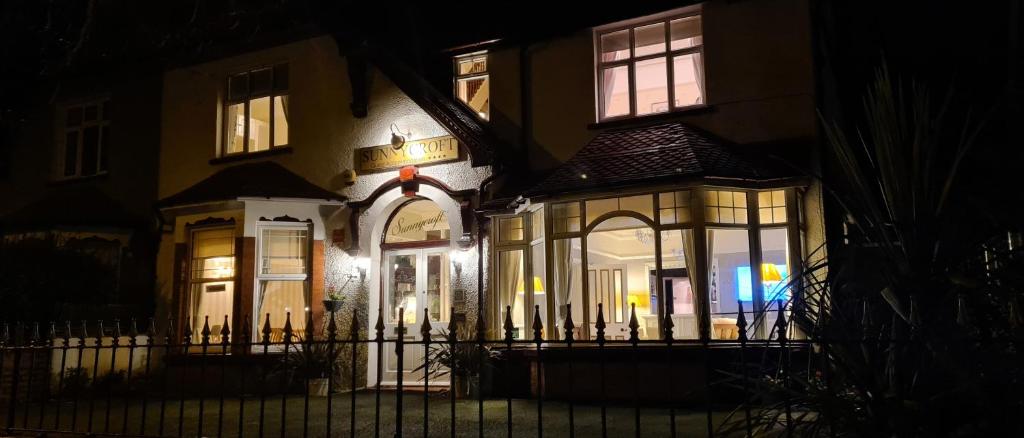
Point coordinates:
[[655, 154], [265, 179]]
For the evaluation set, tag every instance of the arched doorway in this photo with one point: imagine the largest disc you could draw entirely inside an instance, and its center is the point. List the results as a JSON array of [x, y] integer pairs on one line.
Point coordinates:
[[415, 282]]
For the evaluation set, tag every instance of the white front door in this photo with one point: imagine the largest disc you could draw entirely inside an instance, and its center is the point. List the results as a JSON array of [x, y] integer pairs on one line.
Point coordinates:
[[416, 284]]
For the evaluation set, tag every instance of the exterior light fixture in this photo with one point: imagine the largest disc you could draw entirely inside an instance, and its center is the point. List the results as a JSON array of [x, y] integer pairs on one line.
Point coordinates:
[[583, 176], [457, 257], [407, 177], [398, 137], [359, 267]]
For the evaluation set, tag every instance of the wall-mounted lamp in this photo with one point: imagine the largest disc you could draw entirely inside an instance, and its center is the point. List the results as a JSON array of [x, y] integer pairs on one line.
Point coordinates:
[[359, 267], [458, 257], [398, 137]]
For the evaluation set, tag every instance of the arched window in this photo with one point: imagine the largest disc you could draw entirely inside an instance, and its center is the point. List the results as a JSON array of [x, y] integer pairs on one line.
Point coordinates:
[[416, 222]]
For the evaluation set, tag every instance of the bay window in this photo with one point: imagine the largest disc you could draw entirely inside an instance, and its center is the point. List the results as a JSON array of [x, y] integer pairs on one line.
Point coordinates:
[[282, 275], [650, 67], [690, 256], [256, 111]]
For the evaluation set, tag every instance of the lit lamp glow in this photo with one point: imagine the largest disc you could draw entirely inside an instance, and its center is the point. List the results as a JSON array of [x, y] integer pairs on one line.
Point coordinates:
[[538, 287], [770, 273]]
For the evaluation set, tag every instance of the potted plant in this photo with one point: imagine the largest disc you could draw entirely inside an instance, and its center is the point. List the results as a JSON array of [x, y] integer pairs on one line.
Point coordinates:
[[333, 301], [313, 362], [468, 368]]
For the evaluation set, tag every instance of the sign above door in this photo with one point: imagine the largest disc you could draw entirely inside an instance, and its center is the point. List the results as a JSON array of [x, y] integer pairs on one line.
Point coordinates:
[[432, 150]]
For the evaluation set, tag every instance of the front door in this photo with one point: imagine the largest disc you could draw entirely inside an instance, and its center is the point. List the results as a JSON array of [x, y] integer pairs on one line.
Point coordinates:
[[416, 285]]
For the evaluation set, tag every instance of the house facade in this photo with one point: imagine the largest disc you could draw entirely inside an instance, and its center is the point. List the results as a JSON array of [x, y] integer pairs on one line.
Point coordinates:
[[649, 162]]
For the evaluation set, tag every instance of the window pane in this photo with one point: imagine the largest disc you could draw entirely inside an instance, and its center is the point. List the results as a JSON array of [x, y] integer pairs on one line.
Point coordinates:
[[566, 217], [90, 150], [71, 153], [238, 87], [401, 293], [677, 261], [651, 86], [539, 285], [537, 220], [234, 128], [280, 120], [213, 299], [213, 254], [438, 283], [623, 264], [643, 204], [649, 39], [566, 264], [675, 207], [512, 290], [279, 298], [261, 81], [615, 46], [284, 251], [259, 124], [615, 91], [776, 273], [686, 32], [510, 229], [688, 78], [599, 207], [729, 280], [475, 92], [472, 65], [418, 221]]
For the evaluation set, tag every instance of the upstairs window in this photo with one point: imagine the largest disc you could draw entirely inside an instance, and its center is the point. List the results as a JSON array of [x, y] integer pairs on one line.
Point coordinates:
[[256, 110], [86, 136], [648, 68], [472, 83]]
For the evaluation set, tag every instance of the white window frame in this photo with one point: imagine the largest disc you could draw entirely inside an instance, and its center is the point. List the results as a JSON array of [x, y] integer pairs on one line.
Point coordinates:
[[665, 18], [486, 74], [102, 121], [273, 93], [260, 277]]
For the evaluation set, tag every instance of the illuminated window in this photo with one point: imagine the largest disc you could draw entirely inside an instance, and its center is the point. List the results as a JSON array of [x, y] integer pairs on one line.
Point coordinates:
[[674, 207], [510, 229], [472, 84], [565, 217], [725, 207], [639, 74], [256, 110], [281, 276], [86, 139], [771, 207], [212, 278]]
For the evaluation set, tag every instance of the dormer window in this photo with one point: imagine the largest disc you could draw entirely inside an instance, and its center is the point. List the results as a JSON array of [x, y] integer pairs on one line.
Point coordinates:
[[472, 83], [639, 74]]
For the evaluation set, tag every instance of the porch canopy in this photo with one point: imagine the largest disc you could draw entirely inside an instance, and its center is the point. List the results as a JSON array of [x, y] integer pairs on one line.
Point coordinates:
[[265, 179]]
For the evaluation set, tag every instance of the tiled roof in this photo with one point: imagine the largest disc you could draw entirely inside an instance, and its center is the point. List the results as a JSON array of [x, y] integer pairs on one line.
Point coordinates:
[[650, 154], [265, 179]]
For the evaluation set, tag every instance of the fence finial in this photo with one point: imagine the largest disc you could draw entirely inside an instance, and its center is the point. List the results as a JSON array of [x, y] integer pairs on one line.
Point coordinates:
[[569, 326], [332, 327], [310, 329], [85, 332], [634, 324], [266, 330], [186, 337], [481, 327], [379, 327], [53, 331], [246, 329], [205, 332], [133, 332], [741, 322], [225, 332], [99, 332], [67, 332], [508, 326], [538, 327], [781, 323], [453, 329], [169, 331], [600, 325], [354, 328], [288, 332], [425, 327], [668, 327]]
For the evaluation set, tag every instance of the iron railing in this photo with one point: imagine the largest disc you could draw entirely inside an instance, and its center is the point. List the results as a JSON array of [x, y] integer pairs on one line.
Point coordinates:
[[94, 379]]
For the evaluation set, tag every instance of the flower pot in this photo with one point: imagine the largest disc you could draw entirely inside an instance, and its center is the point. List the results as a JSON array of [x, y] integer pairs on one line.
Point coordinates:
[[319, 387], [333, 305]]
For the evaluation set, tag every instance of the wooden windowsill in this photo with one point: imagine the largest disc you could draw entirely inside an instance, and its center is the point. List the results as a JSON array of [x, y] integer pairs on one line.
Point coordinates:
[[279, 150], [652, 118]]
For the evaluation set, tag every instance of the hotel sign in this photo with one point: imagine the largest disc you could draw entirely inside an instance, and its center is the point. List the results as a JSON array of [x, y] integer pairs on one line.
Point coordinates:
[[414, 152]]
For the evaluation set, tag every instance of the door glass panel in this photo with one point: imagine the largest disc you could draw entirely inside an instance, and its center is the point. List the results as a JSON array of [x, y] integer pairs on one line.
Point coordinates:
[[438, 283], [401, 288], [512, 290], [418, 221], [677, 260], [729, 280]]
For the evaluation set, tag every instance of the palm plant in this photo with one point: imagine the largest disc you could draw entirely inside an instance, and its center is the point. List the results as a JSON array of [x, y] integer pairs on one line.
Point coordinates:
[[918, 321]]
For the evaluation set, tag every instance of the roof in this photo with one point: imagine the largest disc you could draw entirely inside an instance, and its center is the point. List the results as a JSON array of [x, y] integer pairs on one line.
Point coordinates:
[[73, 206], [265, 179], [652, 154]]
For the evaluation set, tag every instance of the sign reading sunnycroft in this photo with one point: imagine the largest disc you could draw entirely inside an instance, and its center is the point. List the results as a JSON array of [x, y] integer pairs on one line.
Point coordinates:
[[413, 152]]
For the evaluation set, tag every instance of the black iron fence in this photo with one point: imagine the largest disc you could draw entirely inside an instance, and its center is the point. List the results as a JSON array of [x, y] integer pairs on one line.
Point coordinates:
[[107, 380]]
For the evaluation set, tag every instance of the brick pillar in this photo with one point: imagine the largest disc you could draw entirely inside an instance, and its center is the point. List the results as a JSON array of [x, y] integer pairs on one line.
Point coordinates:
[[317, 272], [245, 278]]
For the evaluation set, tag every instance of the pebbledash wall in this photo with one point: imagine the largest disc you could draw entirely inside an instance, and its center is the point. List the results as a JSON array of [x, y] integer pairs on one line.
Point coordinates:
[[323, 134]]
